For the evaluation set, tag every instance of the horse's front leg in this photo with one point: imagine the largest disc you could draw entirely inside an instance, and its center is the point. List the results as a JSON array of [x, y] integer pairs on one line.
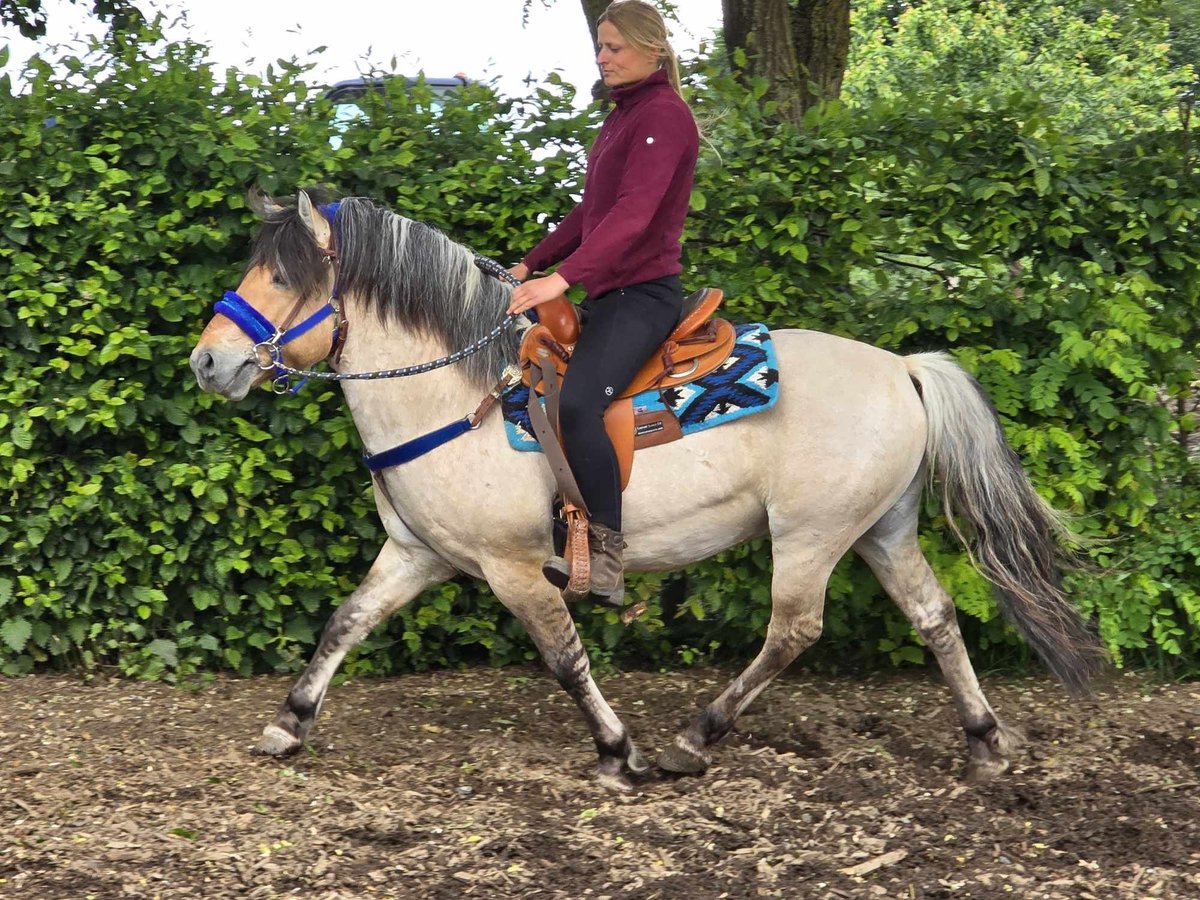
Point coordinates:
[[398, 575], [541, 610]]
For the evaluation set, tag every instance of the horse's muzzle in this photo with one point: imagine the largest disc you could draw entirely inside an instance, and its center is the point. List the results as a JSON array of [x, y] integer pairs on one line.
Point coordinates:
[[230, 375]]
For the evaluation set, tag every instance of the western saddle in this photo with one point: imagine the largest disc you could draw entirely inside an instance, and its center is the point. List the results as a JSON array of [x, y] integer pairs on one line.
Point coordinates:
[[697, 346]]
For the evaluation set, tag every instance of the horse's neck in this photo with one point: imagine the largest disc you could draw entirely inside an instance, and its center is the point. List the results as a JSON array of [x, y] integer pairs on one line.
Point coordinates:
[[392, 410]]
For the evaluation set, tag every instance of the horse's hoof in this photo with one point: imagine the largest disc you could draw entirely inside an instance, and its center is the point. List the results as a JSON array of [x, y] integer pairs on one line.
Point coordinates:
[[981, 771], [275, 741], [636, 763], [614, 781], [682, 759]]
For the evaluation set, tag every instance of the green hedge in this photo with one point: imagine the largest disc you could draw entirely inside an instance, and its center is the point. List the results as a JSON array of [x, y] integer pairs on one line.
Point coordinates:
[[148, 526]]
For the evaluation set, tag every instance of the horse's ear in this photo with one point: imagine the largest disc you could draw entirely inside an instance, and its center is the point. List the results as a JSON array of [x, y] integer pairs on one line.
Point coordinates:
[[261, 203], [314, 222]]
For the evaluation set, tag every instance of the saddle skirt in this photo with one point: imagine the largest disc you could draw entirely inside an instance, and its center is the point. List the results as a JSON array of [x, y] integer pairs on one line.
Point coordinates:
[[705, 373]]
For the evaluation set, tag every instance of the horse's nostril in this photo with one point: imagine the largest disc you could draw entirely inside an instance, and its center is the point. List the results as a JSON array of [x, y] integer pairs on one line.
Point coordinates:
[[203, 364]]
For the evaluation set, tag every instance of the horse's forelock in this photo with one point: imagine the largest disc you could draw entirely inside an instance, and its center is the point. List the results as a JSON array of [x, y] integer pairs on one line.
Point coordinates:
[[285, 246]]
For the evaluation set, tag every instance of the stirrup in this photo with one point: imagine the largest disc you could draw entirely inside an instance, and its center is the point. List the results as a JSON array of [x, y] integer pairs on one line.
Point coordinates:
[[577, 556]]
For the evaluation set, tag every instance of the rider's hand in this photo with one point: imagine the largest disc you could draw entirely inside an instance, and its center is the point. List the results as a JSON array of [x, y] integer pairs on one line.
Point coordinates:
[[536, 292], [520, 271]]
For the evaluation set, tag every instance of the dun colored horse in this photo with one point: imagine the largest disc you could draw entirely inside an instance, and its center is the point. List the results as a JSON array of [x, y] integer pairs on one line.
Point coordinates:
[[838, 463]]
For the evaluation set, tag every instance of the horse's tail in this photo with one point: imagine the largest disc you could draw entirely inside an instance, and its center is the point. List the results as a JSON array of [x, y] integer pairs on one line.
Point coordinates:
[[1017, 535]]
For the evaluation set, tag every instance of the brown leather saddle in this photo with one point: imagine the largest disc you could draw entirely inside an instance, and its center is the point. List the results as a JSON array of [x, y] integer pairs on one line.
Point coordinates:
[[697, 346]]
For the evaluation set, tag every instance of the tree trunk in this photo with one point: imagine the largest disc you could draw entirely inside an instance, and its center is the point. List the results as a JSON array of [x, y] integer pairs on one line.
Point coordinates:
[[821, 31], [801, 51], [592, 10]]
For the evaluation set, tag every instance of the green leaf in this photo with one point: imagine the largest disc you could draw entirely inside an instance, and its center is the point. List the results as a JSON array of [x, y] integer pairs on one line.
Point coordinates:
[[16, 633], [165, 650]]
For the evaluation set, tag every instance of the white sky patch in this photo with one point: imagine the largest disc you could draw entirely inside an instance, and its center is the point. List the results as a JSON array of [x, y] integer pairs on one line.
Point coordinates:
[[483, 39]]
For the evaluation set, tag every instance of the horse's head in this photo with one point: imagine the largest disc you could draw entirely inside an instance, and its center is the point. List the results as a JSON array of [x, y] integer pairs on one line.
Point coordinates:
[[283, 308]]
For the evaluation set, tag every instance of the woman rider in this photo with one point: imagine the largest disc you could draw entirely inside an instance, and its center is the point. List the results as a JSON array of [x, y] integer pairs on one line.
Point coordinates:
[[622, 243]]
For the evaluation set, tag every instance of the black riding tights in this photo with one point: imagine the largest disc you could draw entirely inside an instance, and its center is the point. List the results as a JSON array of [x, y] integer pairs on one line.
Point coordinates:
[[621, 330]]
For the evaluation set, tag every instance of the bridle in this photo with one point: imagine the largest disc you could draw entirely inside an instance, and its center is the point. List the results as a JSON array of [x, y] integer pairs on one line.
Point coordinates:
[[270, 340]]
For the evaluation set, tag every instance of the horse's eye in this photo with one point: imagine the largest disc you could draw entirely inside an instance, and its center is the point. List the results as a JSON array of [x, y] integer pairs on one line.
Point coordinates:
[[278, 281]]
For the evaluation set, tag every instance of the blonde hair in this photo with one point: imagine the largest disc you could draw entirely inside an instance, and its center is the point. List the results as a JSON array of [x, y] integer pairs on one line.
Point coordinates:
[[643, 26]]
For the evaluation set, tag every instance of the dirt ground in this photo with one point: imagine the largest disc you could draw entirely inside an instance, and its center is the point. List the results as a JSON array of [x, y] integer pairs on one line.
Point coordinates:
[[477, 784]]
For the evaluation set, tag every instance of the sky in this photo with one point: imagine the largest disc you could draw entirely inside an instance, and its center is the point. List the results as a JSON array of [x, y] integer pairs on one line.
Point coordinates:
[[483, 39]]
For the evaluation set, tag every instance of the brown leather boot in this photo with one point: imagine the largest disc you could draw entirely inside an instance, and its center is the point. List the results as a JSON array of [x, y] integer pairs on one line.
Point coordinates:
[[608, 568], [608, 572]]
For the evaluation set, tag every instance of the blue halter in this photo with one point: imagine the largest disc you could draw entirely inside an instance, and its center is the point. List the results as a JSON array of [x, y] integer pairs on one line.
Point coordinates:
[[267, 338], [269, 341]]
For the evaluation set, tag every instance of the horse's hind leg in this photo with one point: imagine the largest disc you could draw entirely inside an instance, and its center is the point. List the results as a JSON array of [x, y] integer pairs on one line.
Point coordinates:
[[542, 612], [397, 576], [890, 548], [797, 601]]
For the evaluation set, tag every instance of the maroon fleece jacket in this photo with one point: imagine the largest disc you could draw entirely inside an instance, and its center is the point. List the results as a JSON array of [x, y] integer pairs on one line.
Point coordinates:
[[627, 228]]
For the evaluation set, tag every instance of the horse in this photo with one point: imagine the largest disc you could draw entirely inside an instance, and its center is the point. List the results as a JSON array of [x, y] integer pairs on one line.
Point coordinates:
[[838, 463]]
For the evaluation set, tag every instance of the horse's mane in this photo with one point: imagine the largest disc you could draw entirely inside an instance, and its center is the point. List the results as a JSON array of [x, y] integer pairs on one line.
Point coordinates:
[[404, 270]]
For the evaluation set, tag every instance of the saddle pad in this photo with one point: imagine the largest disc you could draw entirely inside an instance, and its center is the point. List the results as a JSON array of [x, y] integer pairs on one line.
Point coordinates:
[[747, 382]]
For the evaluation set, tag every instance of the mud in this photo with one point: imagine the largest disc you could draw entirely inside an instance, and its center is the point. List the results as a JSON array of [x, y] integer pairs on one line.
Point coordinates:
[[477, 784]]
